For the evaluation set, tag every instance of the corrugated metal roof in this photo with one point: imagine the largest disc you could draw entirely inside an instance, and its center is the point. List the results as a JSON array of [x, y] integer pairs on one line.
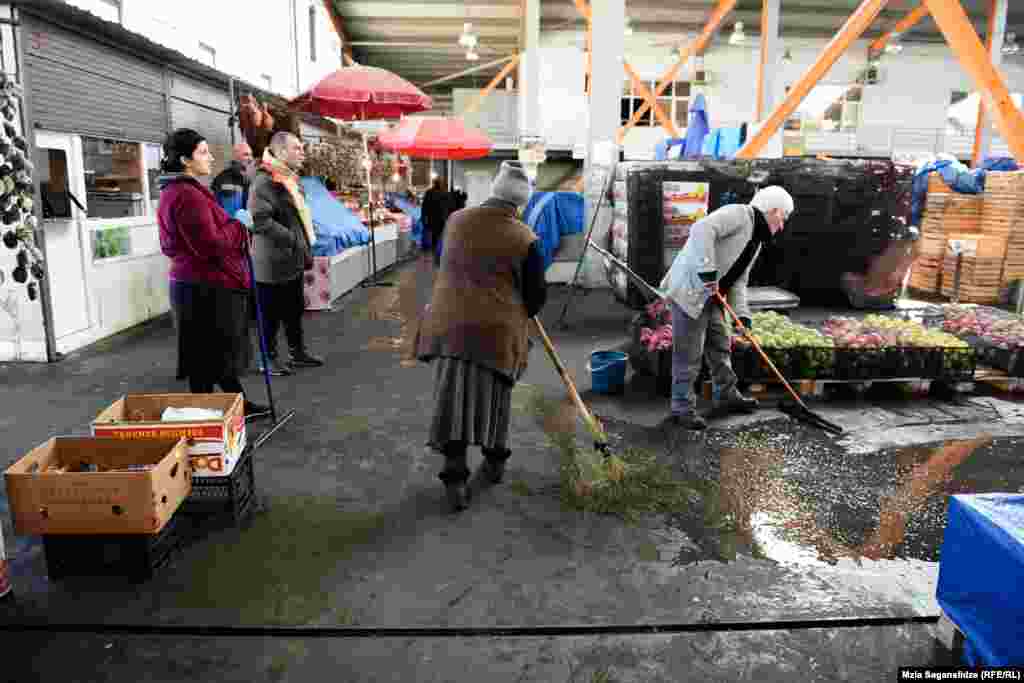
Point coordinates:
[[383, 32]]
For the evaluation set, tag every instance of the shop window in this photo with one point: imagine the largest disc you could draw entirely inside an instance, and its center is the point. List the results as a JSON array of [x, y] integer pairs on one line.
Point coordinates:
[[111, 242], [154, 153], [114, 178], [207, 55], [962, 113], [54, 192], [312, 33], [674, 100], [830, 109]]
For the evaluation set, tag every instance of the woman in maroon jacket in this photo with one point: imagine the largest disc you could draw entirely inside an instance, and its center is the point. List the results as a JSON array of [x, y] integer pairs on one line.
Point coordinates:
[[209, 274]]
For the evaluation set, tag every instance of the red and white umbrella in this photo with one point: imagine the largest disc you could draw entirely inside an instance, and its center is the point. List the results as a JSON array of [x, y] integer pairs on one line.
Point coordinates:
[[436, 137], [359, 93]]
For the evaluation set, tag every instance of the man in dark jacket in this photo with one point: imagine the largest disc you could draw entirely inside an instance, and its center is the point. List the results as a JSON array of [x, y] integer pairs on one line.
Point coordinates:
[[437, 206], [282, 247], [491, 282], [231, 186]]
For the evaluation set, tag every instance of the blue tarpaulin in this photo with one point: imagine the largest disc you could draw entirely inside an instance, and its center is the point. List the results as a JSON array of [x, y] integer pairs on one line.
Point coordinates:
[[551, 215], [669, 148], [957, 176], [697, 128], [981, 572], [336, 227]]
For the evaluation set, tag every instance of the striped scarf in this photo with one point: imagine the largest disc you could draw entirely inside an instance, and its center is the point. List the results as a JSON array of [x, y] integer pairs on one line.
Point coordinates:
[[281, 173]]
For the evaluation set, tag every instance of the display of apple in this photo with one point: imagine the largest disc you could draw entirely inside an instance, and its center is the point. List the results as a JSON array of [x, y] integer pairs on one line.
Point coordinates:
[[883, 332]]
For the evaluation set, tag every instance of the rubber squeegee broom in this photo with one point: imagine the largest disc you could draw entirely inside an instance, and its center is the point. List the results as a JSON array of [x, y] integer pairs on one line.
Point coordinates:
[[276, 423], [798, 410]]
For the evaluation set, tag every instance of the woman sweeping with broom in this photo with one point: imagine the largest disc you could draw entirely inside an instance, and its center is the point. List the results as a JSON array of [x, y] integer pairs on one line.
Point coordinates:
[[490, 283]]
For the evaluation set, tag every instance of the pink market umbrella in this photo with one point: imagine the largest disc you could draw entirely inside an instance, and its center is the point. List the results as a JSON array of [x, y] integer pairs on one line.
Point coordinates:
[[362, 93], [436, 137]]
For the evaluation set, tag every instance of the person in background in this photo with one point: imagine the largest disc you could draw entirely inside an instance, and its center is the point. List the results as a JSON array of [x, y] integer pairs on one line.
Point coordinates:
[[284, 235], [209, 274], [436, 209], [490, 283], [231, 186], [717, 257], [460, 199]]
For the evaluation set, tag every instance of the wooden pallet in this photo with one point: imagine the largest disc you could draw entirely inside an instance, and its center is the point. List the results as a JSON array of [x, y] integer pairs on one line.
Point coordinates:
[[817, 388], [999, 380]]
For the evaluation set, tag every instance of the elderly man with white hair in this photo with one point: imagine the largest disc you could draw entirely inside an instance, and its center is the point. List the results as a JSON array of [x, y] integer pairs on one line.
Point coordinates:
[[717, 257]]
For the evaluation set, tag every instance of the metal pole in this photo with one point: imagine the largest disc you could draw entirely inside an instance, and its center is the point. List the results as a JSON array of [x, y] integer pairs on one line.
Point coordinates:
[[231, 106], [28, 130]]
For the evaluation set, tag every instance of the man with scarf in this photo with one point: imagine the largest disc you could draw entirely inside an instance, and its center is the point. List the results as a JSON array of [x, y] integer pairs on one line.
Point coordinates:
[[717, 257], [282, 247]]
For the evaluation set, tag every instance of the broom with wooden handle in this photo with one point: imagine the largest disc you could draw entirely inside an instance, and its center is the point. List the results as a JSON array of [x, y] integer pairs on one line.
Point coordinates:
[[593, 424]]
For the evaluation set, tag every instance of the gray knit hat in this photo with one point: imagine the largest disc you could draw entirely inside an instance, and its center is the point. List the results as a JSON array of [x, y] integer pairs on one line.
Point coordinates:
[[511, 184]]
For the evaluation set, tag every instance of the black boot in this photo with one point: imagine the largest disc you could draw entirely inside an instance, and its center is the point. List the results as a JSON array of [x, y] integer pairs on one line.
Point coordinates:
[[455, 476], [492, 470], [733, 402]]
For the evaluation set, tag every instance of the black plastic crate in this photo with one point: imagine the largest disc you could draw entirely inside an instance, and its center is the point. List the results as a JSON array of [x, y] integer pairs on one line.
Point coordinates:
[[228, 497], [958, 365], [132, 556], [860, 364]]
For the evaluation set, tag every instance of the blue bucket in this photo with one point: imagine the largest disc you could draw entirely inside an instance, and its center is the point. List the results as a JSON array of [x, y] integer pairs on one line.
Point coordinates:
[[607, 371]]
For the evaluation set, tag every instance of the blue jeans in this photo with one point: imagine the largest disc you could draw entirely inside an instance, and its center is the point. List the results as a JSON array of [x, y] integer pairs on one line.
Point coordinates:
[[707, 336]]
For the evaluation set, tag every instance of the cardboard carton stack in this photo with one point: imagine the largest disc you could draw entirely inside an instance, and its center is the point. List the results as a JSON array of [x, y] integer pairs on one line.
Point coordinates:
[[988, 221]]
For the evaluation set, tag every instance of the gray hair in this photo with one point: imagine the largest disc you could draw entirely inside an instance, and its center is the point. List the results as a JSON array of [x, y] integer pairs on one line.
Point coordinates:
[[771, 198], [279, 142]]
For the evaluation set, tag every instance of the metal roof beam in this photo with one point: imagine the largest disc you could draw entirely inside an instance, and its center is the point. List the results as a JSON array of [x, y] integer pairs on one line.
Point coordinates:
[[418, 10]]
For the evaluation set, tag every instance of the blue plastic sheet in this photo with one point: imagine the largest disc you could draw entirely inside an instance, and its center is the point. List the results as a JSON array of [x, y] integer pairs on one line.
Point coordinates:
[[669, 148], [697, 127], [552, 215], [981, 572], [336, 227], [957, 176]]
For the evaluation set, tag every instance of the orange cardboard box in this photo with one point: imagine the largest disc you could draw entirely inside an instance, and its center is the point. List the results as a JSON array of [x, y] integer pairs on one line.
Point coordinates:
[[135, 488], [214, 446]]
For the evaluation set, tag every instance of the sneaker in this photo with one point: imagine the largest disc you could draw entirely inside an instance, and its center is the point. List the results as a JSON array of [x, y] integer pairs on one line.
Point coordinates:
[[690, 421], [277, 368], [304, 359], [734, 402]]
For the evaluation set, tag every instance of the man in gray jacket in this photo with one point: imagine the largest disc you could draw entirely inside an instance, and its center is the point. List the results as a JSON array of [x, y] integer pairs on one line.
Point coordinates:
[[282, 248], [717, 257]]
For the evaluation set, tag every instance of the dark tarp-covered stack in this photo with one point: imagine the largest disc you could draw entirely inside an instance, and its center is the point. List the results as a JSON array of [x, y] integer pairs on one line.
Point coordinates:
[[850, 224]]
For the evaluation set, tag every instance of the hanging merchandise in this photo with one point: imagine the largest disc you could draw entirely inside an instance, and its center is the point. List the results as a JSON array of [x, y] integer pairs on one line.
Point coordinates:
[[16, 190]]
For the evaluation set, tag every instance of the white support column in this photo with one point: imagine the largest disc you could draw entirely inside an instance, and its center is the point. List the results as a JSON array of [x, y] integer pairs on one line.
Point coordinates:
[[608, 21], [529, 72], [983, 136], [769, 58]]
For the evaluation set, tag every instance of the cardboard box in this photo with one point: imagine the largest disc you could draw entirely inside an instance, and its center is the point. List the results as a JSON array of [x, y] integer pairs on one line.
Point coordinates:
[[45, 500], [213, 445]]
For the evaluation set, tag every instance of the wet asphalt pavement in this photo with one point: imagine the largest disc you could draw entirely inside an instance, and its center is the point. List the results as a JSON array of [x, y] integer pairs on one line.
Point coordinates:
[[782, 523]]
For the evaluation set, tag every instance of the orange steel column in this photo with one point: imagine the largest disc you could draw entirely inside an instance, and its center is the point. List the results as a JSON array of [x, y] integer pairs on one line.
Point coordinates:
[[697, 46], [648, 96], [961, 36], [916, 15], [478, 100], [979, 128], [850, 32], [769, 37]]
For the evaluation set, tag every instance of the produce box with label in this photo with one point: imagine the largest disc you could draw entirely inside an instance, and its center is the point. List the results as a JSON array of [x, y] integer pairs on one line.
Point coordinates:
[[98, 486], [213, 424]]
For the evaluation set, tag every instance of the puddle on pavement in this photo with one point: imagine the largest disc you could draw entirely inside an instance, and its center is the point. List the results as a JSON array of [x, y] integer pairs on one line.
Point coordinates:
[[351, 424], [276, 570], [780, 493], [400, 304]]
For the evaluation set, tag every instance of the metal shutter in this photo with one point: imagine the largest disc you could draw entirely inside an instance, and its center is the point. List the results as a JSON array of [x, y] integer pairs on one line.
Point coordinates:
[[206, 110], [79, 85]]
